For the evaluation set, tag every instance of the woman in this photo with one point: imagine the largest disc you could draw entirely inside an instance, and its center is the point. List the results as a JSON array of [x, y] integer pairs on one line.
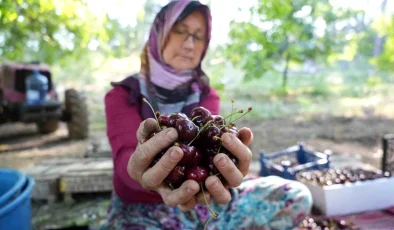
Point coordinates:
[[172, 80]]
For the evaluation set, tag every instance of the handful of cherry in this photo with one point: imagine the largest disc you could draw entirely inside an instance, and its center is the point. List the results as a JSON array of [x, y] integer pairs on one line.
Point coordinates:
[[332, 176], [199, 137]]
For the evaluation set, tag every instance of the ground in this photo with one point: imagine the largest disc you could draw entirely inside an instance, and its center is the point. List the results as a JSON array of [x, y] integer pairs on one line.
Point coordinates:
[[351, 139]]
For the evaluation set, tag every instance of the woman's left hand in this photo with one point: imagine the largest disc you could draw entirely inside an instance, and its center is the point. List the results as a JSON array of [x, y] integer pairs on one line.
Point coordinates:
[[232, 174]]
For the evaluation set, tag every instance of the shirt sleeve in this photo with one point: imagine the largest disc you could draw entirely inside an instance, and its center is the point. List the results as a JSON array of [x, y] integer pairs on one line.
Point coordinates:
[[212, 102], [123, 120]]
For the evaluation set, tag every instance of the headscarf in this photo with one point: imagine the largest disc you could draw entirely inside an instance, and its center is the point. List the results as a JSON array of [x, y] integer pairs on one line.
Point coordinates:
[[165, 84]]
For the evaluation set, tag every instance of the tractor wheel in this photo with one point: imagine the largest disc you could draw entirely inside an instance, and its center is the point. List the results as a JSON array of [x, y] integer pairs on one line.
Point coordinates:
[[76, 107], [46, 127]]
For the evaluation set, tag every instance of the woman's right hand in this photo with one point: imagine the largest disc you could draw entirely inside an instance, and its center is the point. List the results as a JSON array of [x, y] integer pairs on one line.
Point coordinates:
[[152, 178]]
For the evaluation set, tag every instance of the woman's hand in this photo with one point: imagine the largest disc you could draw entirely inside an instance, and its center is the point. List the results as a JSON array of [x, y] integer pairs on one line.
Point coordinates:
[[233, 175], [152, 178]]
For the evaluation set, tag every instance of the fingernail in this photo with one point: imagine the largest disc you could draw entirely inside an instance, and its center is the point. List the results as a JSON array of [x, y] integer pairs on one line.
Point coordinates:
[[228, 140], [189, 190], [171, 134], [221, 161], [214, 183], [175, 155]]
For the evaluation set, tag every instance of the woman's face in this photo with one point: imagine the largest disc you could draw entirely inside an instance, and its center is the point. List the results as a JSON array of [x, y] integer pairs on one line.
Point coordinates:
[[186, 42]]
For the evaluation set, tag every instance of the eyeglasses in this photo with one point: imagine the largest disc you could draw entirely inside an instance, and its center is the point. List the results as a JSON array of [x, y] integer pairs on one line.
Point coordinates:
[[184, 35]]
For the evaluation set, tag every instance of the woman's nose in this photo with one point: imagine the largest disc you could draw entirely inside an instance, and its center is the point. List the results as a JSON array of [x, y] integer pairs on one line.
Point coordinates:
[[189, 42]]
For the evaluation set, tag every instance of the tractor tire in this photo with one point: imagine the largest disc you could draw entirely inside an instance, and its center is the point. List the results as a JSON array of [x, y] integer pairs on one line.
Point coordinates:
[[76, 107], [46, 127]]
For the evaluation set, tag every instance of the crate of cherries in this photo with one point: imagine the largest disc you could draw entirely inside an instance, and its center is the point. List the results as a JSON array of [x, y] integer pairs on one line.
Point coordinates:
[[346, 175], [199, 137], [342, 191], [325, 223]]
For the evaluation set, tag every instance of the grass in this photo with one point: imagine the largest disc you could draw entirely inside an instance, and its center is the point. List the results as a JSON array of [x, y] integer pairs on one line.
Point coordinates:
[[333, 92], [343, 93]]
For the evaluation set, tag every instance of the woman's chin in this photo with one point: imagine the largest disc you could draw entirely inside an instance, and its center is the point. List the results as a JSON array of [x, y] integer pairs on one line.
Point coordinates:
[[183, 64]]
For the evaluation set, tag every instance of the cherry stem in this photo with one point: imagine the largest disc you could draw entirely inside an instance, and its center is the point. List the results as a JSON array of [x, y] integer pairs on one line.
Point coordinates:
[[206, 224], [230, 116], [220, 146], [172, 187], [202, 129], [215, 138], [147, 102], [195, 118], [250, 109], [232, 109], [213, 214]]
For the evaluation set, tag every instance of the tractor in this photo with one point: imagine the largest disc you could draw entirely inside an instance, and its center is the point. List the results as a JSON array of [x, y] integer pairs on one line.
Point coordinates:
[[46, 113]]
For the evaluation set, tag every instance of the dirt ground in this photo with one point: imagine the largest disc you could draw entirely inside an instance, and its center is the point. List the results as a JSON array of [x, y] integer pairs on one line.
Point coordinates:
[[352, 140], [357, 137]]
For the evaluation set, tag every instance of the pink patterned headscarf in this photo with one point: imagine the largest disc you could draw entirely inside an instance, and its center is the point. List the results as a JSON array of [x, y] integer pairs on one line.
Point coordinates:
[[153, 68]]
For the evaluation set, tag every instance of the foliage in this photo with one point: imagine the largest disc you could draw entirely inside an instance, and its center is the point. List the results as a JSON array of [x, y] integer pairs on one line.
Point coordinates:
[[281, 32], [66, 31], [385, 27], [49, 30], [213, 65]]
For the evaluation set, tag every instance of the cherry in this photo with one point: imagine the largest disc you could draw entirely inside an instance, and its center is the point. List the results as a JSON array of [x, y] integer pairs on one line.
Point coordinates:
[[211, 166], [211, 136], [197, 158], [177, 175], [219, 120], [191, 156], [187, 130], [200, 116], [197, 173], [164, 120], [175, 117], [211, 151], [232, 130]]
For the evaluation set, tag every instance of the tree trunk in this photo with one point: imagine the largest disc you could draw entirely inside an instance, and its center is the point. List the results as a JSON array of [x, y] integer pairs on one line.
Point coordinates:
[[285, 71], [379, 40]]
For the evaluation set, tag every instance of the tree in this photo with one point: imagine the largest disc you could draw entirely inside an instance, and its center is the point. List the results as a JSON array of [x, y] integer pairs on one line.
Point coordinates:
[[385, 28], [54, 30], [281, 32], [379, 40]]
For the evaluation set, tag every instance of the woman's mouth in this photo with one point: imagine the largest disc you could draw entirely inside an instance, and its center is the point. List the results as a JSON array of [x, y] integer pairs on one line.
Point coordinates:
[[185, 57]]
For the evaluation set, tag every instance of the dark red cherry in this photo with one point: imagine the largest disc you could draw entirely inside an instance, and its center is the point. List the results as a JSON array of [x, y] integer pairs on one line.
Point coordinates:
[[218, 120], [211, 166], [174, 117], [200, 115], [208, 119], [234, 131], [189, 155], [197, 173], [177, 175], [211, 136], [164, 120], [211, 151], [224, 130], [198, 157], [187, 130]]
